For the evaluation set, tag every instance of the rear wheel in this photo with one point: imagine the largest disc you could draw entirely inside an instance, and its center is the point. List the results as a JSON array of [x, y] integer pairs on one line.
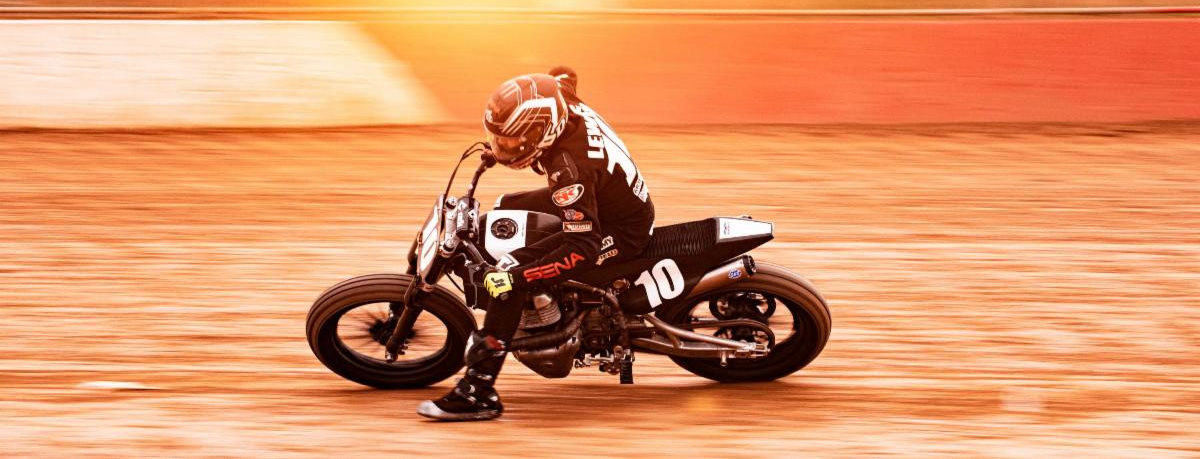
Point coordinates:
[[349, 324], [787, 304]]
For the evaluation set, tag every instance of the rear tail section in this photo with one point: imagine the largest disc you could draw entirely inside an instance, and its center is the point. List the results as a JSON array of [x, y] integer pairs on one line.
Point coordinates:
[[685, 258]]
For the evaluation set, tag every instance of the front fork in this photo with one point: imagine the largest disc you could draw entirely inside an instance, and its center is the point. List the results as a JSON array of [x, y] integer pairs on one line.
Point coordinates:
[[409, 310]]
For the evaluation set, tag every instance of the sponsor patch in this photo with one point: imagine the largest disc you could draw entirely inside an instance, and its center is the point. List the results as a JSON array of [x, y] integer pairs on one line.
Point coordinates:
[[572, 215], [605, 256], [567, 195], [577, 227], [606, 242], [550, 270], [640, 189]]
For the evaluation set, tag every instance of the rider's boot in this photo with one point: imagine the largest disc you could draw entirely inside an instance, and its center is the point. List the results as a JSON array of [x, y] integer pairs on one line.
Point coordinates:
[[473, 398]]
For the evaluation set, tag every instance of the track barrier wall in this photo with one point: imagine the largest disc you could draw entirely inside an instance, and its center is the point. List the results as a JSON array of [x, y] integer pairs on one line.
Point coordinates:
[[177, 74]]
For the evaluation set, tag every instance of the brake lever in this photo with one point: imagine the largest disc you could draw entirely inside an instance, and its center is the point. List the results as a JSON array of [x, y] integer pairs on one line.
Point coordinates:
[[473, 255]]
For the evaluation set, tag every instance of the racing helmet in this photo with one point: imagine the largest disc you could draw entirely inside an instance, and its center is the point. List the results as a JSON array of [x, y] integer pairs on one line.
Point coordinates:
[[524, 116]]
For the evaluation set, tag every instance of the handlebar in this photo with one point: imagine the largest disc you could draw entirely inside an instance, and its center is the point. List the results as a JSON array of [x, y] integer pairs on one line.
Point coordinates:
[[463, 218], [487, 160]]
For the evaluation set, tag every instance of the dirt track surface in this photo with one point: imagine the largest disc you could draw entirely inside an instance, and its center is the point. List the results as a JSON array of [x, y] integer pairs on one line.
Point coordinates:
[[1002, 293]]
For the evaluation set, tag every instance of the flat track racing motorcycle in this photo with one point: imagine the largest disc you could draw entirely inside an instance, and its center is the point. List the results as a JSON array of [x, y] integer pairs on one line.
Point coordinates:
[[693, 295]]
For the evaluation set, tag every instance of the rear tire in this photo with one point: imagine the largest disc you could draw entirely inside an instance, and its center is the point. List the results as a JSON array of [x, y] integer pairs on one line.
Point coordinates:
[[809, 313], [323, 339]]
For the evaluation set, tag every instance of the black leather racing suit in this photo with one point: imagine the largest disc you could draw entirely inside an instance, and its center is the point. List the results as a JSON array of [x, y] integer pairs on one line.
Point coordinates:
[[603, 200]]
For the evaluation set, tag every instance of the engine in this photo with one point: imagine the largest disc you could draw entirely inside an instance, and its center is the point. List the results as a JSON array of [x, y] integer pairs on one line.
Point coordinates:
[[542, 311], [588, 336], [544, 314]]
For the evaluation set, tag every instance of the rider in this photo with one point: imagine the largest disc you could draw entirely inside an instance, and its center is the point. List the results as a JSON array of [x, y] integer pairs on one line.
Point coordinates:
[[593, 185]]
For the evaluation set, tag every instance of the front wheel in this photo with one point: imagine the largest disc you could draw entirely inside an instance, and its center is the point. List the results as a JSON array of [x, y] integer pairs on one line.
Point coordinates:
[[351, 322], [786, 303]]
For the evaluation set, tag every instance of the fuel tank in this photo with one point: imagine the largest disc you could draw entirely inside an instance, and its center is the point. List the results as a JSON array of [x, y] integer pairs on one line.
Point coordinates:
[[509, 230]]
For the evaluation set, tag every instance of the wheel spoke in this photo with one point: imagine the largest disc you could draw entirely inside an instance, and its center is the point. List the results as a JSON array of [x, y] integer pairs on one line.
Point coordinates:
[[366, 328], [366, 343], [358, 336]]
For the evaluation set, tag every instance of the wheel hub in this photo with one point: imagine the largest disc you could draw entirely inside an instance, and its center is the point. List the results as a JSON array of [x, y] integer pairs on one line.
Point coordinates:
[[744, 305], [381, 330]]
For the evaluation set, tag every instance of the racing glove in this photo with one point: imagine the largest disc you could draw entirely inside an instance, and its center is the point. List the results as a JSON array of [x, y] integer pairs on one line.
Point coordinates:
[[498, 283]]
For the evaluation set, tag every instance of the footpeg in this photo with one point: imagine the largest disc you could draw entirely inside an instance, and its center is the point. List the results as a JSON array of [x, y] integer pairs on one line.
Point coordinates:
[[619, 362], [627, 368]]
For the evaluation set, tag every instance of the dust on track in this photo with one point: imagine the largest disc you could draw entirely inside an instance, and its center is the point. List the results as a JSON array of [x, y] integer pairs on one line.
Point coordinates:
[[1006, 293]]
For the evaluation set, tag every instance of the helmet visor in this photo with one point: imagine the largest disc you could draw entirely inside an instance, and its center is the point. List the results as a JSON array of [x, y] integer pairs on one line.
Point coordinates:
[[512, 151], [505, 148]]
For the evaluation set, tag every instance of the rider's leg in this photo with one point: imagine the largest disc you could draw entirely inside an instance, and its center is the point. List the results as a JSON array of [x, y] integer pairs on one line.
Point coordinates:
[[473, 397]]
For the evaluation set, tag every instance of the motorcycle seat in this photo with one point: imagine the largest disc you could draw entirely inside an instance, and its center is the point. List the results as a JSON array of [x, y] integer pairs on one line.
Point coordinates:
[[679, 240]]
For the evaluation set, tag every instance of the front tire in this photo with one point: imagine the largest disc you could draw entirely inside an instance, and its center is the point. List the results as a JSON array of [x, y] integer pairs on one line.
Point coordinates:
[[439, 307], [811, 327]]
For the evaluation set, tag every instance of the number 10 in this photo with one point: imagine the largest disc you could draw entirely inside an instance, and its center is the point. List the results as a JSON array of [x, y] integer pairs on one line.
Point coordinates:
[[663, 281]]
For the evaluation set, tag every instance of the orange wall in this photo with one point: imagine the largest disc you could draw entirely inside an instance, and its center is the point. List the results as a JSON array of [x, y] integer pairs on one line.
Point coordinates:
[[772, 70], [132, 74]]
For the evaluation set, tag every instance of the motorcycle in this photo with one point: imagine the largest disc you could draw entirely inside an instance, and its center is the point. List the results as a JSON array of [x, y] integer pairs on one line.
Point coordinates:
[[694, 294]]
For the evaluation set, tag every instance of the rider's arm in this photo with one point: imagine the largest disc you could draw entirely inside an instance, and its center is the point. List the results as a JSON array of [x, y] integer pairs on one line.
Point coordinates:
[[551, 260]]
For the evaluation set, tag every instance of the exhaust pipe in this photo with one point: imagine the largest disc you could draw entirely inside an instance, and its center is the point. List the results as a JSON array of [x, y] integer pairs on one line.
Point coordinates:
[[549, 339], [735, 270]]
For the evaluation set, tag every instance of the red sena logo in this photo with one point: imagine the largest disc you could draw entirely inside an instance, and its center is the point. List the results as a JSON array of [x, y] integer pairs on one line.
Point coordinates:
[[550, 270], [573, 215], [567, 195]]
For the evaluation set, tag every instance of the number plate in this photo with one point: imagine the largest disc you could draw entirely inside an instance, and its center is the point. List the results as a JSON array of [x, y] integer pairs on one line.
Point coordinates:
[[430, 235]]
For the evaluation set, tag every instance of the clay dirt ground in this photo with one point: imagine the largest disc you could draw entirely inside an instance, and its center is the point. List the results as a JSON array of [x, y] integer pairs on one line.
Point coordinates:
[[1010, 292]]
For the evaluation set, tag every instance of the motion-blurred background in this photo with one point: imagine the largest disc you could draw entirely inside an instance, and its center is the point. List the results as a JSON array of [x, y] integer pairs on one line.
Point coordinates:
[[415, 63], [997, 199], [617, 4]]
